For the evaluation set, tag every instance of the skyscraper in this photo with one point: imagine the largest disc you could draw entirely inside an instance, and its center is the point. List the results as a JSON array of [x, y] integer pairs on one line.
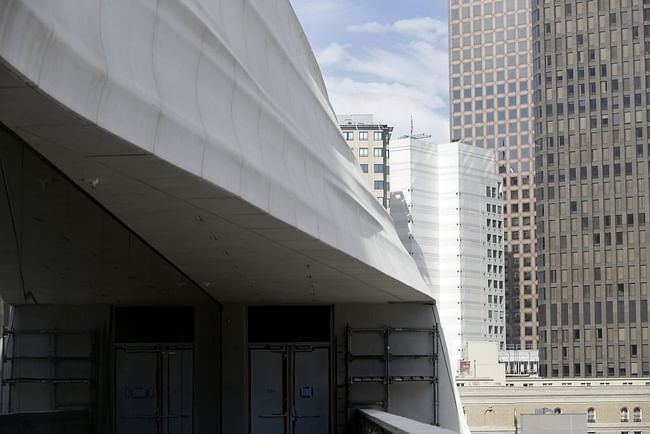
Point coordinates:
[[591, 75], [491, 107]]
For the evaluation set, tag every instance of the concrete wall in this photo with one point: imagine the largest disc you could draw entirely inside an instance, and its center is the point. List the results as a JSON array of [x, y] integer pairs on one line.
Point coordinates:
[[413, 401], [207, 368], [77, 253], [98, 397], [553, 424], [409, 400], [234, 369], [40, 397]]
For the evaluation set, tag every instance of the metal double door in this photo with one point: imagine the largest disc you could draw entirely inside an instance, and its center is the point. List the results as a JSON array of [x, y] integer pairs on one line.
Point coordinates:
[[153, 391], [290, 390]]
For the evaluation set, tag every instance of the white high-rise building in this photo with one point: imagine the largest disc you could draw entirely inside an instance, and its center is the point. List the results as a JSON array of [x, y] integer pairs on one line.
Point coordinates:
[[447, 205]]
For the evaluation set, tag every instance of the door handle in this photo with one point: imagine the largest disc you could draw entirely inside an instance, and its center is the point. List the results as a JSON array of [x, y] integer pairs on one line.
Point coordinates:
[[297, 417], [272, 415]]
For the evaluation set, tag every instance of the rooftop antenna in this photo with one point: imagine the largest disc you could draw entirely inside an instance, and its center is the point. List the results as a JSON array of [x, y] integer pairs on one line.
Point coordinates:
[[411, 125]]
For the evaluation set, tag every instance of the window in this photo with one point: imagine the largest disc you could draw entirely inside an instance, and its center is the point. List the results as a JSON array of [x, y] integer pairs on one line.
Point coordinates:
[[363, 135], [625, 415], [363, 152], [379, 152], [379, 168], [637, 414], [349, 135], [591, 415], [378, 136], [364, 168], [379, 185]]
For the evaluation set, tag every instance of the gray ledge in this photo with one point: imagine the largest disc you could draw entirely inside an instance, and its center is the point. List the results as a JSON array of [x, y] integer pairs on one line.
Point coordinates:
[[400, 425]]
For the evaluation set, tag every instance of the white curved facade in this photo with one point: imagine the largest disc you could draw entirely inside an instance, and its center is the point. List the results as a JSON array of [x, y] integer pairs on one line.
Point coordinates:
[[229, 91]]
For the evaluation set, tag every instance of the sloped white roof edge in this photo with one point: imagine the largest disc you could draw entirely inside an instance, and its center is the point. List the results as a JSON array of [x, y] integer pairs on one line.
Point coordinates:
[[227, 90]]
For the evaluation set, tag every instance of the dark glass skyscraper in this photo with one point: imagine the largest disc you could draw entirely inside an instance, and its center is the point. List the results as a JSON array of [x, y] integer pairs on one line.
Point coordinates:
[[591, 74]]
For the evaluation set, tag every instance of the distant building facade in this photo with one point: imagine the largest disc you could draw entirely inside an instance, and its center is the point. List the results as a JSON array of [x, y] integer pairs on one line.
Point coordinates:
[[490, 70], [369, 142], [608, 406], [485, 360], [447, 206], [495, 401], [520, 362], [479, 363]]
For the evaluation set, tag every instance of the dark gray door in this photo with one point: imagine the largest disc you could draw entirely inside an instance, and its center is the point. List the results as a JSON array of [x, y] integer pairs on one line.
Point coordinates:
[[289, 390], [268, 391], [176, 391], [135, 393], [311, 391], [153, 391]]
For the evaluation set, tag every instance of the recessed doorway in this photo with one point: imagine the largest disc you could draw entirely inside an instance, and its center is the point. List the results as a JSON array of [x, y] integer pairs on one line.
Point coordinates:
[[289, 370]]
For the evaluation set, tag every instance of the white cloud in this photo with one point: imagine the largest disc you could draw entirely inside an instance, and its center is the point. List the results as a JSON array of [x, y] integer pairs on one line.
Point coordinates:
[[393, 79], [331, 55], [318, 10], [371, 27], [393, 70], [416, 64], [392, 103], [426, 28]]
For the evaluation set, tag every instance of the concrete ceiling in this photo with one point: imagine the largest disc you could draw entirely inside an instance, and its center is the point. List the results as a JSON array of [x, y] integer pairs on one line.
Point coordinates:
[[233, 250]]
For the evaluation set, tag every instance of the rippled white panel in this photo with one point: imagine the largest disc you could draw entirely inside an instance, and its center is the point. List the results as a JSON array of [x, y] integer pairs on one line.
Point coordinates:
[[228, 90]]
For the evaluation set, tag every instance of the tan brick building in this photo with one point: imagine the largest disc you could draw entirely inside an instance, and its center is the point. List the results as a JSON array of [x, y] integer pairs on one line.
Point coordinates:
[[369, 141], [611, 406]]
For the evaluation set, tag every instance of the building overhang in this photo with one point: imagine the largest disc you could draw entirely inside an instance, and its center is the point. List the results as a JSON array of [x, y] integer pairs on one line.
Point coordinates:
[[235, 251], [207, 132]]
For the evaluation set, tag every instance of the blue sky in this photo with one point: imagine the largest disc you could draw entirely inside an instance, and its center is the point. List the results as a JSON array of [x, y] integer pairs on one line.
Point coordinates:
[[384, 57]]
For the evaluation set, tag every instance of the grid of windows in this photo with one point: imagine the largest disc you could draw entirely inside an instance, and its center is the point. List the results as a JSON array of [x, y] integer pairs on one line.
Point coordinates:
[[369, 144], [591, 72], [494, 263], [494, 269], [491, 107]]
